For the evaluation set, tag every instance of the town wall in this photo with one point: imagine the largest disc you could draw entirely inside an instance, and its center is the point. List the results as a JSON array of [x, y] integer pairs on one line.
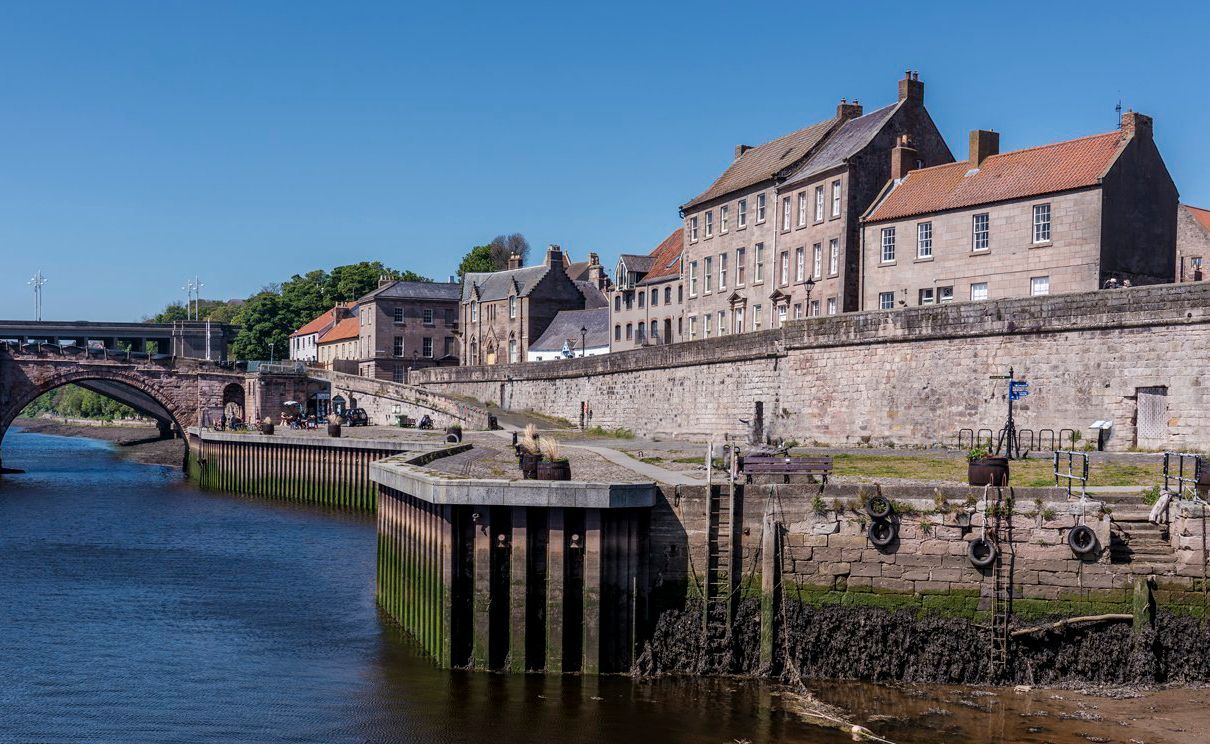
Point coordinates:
[[912, 377]]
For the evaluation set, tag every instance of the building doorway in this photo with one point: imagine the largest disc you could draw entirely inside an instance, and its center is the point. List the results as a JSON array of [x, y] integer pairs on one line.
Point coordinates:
[[1151, 417]]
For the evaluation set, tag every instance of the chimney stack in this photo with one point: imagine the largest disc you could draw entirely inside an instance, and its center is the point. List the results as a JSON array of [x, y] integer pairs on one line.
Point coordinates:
[[983, 143], [903, 157], [514, 261], [910, 87], [846, 110], [596, 273], [554, 255], [741, 149], [384, 280], [1135, 124]]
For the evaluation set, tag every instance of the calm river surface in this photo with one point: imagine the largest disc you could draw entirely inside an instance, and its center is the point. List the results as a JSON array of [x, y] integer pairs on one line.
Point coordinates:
[[136, 608]]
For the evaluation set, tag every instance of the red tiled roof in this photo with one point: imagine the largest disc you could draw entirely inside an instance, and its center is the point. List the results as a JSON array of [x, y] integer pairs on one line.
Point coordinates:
[[321, 321], [346, 329], [1201, 215], [664, 259], [1061, 166]]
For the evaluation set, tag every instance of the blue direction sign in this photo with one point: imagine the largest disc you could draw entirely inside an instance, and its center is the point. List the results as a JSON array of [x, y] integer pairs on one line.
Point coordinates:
[[1017, 389]]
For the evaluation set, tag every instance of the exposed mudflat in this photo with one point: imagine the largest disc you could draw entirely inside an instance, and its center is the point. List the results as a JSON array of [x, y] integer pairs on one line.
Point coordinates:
[[135, 443]]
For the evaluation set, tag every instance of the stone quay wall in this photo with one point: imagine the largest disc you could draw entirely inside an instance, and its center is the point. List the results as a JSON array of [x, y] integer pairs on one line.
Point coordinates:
[[911, 377], [383, 401]]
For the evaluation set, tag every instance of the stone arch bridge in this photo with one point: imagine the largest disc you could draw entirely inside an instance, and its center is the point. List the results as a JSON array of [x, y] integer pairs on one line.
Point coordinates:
[[178, 393]]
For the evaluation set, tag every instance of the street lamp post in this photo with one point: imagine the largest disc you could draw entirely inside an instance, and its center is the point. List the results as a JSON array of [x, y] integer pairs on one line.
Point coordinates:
[[583, 341], [810, 285], [36, 282]]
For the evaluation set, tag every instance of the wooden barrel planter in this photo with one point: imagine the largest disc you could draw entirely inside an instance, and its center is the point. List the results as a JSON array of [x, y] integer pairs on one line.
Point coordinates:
[[987, 471], [529, 465], [558, 470], [334, 428], [267, 428]]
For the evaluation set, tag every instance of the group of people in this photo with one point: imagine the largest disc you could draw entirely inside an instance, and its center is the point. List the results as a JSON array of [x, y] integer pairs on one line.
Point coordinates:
[[299, 421], [235, 423]]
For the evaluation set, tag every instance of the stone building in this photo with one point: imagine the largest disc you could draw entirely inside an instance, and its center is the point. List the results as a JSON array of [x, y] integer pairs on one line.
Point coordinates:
[[337, 348], [406, 325], [648, 300], [573, 333], [776, 236], [503, 312], [1192, 243], [1067, 217], [304, 343]]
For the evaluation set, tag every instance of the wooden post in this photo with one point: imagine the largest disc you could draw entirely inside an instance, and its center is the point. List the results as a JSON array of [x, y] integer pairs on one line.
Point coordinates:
[[483, 588], [770, 581], [592, 592], [1144, 603], [516, 584], [555, 568]]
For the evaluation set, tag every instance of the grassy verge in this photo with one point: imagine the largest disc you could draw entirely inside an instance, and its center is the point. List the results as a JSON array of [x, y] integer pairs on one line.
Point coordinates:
[[1032, 472]]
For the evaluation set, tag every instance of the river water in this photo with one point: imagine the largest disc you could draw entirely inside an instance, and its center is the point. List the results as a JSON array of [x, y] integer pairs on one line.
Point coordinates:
[[136, 608]]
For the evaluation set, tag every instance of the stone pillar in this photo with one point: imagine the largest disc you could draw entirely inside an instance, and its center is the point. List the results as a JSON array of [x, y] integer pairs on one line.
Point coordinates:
[[516, 588], [482, 592], [592, 592], [555, 568]]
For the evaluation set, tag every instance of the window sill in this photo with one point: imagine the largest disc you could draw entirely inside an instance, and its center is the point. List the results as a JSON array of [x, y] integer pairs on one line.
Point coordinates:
[[886, 263], [981, 252], [1043, 244], [926, 259]]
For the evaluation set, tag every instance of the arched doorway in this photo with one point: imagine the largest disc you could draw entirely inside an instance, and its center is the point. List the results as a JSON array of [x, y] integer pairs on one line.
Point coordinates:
[[233, 402], [491, 353]]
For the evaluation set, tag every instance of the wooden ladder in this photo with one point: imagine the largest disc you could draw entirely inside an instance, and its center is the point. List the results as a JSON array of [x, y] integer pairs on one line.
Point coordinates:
[[1002, 594]]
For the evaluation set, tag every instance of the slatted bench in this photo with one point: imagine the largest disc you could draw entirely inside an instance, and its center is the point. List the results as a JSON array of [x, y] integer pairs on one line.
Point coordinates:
[[820, 467]]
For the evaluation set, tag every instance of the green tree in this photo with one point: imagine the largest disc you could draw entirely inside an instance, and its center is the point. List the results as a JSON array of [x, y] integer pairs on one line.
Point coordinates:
[[218, 311], [478, 259], [76, 402]]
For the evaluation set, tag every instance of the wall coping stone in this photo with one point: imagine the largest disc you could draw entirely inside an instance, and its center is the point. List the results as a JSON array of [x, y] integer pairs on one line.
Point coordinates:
[[393, 446]]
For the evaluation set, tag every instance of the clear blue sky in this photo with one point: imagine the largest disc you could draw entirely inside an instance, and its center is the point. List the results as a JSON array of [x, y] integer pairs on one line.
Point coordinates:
[[141, 142]]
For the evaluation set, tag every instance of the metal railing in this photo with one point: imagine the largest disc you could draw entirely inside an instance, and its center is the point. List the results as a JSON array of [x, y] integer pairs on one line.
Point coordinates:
[[1076, 470], [1183, 470]]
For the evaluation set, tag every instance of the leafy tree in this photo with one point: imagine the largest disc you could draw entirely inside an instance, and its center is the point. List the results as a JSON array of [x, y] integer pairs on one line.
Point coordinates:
[[76, 402], [478, 259], [217, 311]]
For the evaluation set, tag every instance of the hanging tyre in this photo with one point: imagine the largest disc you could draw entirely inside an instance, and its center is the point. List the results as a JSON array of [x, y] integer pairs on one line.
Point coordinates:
[[1082, 540], [981, 552], [878, 506], [881, 532]]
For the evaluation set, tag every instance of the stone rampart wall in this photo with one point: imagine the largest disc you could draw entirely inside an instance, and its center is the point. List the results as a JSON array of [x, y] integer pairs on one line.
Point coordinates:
[[911, 377]]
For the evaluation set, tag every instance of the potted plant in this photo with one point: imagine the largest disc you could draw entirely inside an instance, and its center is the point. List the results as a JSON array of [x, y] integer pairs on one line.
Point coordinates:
[[266, 426], [334, 426], [984, 469], [453, 433], [528, 453], [554, 464]]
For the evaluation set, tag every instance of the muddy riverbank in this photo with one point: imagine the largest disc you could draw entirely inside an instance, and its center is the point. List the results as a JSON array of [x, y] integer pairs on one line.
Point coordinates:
[[137, 443]]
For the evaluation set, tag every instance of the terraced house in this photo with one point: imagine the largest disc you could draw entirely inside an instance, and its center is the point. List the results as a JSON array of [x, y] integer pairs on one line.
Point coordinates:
[[777, 235], [1073, 216], [407, 325], [648, 300], [503, 312]]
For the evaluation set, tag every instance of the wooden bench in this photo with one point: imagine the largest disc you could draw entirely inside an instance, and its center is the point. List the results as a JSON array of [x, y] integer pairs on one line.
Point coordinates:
[[783, 465]]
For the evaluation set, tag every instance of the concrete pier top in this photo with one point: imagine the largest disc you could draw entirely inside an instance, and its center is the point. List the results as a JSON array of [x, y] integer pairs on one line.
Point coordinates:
[[312, 439], [406, 473]]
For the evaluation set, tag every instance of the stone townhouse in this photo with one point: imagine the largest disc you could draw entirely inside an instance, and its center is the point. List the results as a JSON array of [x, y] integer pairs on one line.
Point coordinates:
[[503, 312], [337, 347], [1067, 217], [405, 325], [1192, 243], [648, 300], [304, 343], [777, 235]]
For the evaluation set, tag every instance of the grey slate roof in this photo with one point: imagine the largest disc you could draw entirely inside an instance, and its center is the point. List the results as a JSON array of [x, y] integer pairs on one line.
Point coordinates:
[[593, 296], [765, 161], [641, 264], [844, 143], [497, 285], [567, 324], [401, 290]]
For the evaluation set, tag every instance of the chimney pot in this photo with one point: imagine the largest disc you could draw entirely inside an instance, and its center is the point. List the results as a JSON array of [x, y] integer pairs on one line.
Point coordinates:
[[741, 149], [983, 144], [514, 261], [846, 110]]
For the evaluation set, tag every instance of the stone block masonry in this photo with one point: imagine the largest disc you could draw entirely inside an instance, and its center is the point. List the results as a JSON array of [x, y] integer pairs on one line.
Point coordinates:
[[383, 401], [910, 377]]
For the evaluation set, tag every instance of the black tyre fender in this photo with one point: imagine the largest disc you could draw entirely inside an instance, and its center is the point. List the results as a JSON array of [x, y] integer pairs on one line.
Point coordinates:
[[1082, 540], [981, 552], [878, 506], [881, 532]]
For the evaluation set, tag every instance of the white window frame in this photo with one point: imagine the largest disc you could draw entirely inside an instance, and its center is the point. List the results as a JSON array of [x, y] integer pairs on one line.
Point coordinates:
[[981, 240], [741, 266], [428, 317], [722, 219], [722, 271], [760, 208], [707, 274], [512, 307], [692, 327], [945, 294], [758, 267], [693, 229], [1036, 282], [817, 261], [802, 208], [693, 278], [741, 215], [709, 225], [800, 264], [722, 322], [784, 267], [887, 245], [980, 289], [831, 306], [798, 311], [886, 300], [836, 198], [738, 320], [1041, 223], [397, 314], [833, 256], [819, 203], [474, 311], [756, 317], [786, 214], [924, 239], [927, 296], [783, 310], [426, 347], [813, 309]]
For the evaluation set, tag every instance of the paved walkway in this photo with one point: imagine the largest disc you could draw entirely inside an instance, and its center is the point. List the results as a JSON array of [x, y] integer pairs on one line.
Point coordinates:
[[617, 457]]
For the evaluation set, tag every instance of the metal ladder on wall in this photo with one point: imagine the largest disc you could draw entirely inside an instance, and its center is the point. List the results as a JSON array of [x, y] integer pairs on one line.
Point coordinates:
[[1002, 589], [719, 610]]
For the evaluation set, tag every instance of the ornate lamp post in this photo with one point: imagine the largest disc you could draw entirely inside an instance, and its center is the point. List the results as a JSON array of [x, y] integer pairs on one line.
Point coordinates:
[[810, 285], [583, 341]]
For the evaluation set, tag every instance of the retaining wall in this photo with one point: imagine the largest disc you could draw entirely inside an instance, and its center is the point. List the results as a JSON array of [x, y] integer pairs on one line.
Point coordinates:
[[384, 401], [908, 377]]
